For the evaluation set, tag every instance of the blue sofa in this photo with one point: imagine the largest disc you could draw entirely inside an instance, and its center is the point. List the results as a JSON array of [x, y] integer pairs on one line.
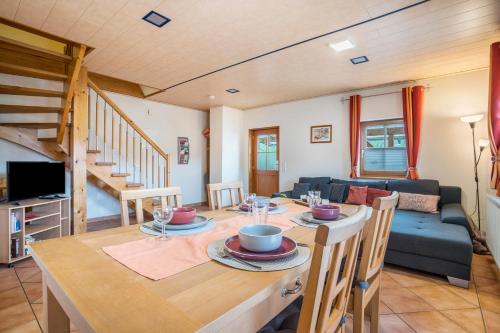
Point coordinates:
[[438, 243]]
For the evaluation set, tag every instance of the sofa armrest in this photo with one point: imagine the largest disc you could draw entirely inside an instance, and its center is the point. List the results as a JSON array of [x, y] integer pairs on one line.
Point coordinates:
[[280, 194], [453, 213], [450, 194]]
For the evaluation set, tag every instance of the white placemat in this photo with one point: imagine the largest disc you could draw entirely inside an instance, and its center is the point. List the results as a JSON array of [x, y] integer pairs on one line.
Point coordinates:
[[144, 228], [298, 219], [278, 210], [300, 257]]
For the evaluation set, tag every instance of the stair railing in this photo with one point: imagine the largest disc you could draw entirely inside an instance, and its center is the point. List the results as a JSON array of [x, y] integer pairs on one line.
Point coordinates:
[[122, 143]]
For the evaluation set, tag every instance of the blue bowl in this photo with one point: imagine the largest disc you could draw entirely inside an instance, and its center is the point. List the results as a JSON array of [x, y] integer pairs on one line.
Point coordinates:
[[260, 237]]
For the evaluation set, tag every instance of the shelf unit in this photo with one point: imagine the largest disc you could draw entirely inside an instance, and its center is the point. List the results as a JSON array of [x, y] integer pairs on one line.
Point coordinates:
[[40, 219]]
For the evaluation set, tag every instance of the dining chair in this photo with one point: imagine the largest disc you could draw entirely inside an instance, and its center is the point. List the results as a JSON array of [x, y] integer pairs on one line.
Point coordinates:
[[329, 282], [367, 284], [215, 191], [165, 194]]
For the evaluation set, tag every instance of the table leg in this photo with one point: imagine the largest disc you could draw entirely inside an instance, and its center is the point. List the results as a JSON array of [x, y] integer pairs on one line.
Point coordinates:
[[55, 319]]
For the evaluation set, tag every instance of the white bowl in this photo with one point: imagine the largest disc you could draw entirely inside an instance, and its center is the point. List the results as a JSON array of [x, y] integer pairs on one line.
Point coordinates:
[[260, 237]]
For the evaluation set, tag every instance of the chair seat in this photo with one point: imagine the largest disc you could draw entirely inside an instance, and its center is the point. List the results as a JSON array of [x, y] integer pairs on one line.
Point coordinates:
[[285, 322]]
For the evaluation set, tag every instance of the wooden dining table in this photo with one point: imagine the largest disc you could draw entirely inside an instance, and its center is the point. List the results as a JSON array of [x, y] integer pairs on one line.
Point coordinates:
[[85, 286]]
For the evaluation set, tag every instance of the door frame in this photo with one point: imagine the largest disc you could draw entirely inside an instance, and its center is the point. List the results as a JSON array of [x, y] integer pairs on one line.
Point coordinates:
[[251, 134]]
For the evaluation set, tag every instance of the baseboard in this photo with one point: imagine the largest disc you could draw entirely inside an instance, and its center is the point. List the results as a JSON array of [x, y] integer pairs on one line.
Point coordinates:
[[196, 204], [104, 218]]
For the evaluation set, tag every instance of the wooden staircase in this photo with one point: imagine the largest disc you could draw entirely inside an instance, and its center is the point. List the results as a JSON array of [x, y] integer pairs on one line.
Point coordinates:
[[119, 155]]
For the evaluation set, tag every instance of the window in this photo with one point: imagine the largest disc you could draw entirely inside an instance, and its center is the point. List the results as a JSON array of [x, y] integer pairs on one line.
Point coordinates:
[[383, 148], [267, 152]]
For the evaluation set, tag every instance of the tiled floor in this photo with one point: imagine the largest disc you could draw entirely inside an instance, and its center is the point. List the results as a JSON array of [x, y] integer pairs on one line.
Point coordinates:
[[410, 301]]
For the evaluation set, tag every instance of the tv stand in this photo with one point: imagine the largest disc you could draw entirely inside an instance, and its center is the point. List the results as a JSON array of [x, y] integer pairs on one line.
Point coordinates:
[[39, 219]]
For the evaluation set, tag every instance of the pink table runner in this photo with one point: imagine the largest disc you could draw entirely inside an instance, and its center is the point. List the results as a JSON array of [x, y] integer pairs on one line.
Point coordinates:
[[157, 259]]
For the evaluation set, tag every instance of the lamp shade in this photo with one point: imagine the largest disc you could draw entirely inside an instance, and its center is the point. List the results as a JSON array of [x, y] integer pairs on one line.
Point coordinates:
[[483, 143], [472, 118]]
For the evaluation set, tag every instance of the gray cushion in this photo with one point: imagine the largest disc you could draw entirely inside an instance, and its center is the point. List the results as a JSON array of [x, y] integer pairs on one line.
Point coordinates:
[[453, 213], [450, 194], [325, 189], [337, 193], [424, 234], [314, 181], [300, 189], [419, 186]]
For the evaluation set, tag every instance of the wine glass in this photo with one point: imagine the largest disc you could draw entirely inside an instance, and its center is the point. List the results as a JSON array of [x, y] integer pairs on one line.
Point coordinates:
[[260, 209], [249, 199], [163, 216]]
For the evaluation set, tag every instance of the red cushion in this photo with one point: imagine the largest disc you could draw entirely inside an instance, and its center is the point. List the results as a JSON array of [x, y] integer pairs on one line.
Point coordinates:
[[375, 193], [357, 195]]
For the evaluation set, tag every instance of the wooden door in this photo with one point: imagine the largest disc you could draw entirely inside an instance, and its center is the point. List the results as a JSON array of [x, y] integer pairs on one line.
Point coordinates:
[[264, 161]]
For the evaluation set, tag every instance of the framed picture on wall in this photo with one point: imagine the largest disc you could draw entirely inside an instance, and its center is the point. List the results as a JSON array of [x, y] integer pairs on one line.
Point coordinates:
[[182, 150], [321, 134]]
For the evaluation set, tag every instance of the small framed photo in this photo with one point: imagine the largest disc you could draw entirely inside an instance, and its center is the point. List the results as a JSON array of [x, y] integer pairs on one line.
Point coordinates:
[[321, 134], [183, 150]]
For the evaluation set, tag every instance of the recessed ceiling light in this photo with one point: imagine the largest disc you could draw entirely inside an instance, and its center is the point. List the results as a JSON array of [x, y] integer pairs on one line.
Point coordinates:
[[156, 19], [341, 46], [232, 91], [359, 60], [211, 97]]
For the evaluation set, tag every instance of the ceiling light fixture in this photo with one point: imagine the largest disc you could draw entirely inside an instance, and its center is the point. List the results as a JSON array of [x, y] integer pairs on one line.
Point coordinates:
[[232, 90], [341, 46], [359, 60], [156, 19], [211, 97]]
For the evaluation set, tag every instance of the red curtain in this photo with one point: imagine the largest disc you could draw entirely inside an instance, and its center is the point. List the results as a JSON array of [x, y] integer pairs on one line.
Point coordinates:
[[494, 115], [354, 120], [413, 104]]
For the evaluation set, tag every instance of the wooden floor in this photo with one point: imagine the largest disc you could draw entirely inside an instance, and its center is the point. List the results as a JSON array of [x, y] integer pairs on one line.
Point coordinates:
[[410, 301]]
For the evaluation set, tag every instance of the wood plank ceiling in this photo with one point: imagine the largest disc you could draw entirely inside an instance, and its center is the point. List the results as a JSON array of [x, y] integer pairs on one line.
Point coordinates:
[[433, 38]]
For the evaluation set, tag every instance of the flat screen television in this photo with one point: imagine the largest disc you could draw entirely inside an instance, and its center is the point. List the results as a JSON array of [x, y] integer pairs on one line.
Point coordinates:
[[27, 180]]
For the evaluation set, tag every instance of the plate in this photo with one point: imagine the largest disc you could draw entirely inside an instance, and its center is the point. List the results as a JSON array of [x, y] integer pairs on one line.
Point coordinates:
[[287, 248], [199, 221], [272, 206], [308, 217]]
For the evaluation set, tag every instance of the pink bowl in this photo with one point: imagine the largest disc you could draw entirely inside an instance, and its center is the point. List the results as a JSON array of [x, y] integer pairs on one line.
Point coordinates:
[[325, 212], [183, 215]]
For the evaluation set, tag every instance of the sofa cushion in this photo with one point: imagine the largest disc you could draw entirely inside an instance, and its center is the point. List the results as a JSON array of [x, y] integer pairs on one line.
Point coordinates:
[[418, 202], [424, 234], [357, 195], [419, 186], [375, 193], [300, 189], [314, 181], [325, 190], [453, 213], [337, 193], [379, 184], [450, 194]]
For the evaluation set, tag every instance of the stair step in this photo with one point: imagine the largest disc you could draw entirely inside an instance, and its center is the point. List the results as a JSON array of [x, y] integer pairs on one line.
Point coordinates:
[[31, 72], [26, 91], [47, 139], [5, 108], [116, 174], [31, 125], [105, 163], [134, 185], [93, 151], [20, 47]]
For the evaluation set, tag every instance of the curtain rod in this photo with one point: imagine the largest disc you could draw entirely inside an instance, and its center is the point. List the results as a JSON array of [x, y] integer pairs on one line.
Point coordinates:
[[381, 94]]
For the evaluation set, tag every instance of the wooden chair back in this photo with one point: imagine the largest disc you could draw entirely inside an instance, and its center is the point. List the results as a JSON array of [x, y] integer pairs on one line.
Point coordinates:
[[376, 237], [329, 285], [165, 194], [215, 191]]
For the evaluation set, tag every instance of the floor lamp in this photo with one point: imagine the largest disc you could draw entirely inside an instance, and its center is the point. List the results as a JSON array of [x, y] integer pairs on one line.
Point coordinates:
[[472, 120]]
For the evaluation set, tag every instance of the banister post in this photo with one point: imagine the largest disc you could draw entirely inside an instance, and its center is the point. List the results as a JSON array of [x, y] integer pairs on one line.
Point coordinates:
[[79, 138]]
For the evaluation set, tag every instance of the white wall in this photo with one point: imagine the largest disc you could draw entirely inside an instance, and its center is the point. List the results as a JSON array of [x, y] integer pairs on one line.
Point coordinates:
[[445, 151]]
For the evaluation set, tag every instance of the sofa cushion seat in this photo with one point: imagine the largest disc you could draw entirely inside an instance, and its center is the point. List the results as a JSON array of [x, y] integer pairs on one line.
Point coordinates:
[[424, 234]]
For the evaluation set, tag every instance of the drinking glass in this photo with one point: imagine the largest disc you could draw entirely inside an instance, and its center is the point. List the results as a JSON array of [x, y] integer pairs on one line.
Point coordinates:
[[249, 199], [260, 208], [315, 198], [163, 216], [310, 195]]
